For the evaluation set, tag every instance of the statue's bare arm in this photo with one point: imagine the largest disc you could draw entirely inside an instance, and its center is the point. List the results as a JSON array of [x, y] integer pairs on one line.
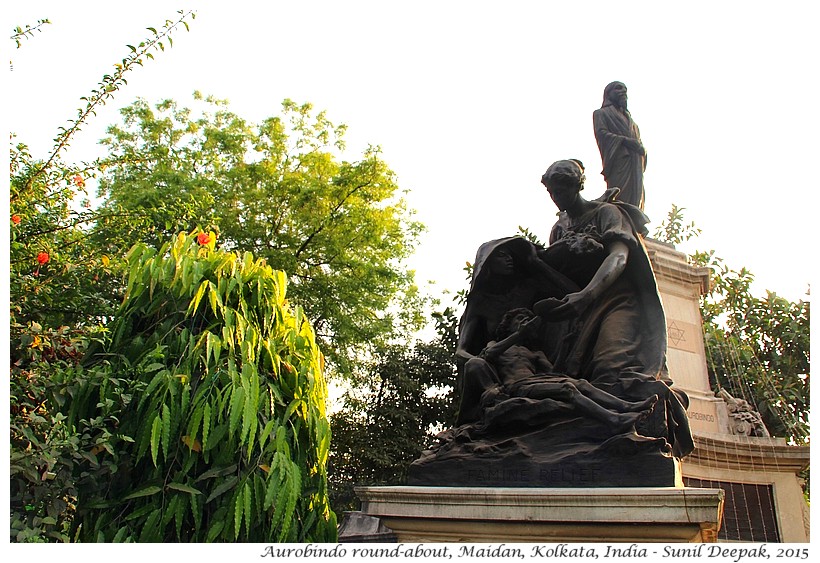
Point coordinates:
[[574, 304]]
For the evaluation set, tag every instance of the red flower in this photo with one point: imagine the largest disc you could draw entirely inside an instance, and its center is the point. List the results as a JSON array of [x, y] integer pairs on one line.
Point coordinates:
[[16, 219], [43, 258], [203, 239], [78, 181]]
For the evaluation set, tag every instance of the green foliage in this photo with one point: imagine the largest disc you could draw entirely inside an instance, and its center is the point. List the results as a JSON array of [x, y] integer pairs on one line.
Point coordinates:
[[758, 348], [27, 31], [61, 287], [56, 276], [46, 454], [111, 83], [199, 416], [278, 189], [394, 416], [530, 236], [673, 230], [216, 385]]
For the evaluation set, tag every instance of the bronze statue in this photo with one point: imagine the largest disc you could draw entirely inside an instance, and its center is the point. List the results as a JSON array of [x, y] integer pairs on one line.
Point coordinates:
[[619, 140], [515, 381], [577, 395], [506, 274]]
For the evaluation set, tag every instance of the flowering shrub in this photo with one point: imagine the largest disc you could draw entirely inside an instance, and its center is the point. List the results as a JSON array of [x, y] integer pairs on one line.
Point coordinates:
[[54, 313]]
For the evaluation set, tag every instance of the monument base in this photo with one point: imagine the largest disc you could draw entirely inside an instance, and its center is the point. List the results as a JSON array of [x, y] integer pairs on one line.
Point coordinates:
[[580, 515], [585, 470]]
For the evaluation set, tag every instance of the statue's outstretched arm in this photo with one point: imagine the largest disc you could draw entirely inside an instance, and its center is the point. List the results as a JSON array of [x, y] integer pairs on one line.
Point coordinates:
[[575, 303]]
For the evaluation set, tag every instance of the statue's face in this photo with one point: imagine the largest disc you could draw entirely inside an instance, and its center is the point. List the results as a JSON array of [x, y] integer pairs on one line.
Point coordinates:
[[563, 194], [617, 95], [518, 320], [501, 263]]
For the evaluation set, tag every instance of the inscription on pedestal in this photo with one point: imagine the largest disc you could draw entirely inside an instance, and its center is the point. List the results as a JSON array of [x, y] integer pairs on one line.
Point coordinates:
[[701, 416], [704, 417], [683, 336], [569, 475]]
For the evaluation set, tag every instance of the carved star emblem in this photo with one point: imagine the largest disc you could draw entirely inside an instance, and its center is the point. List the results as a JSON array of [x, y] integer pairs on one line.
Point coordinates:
[[675, 333]]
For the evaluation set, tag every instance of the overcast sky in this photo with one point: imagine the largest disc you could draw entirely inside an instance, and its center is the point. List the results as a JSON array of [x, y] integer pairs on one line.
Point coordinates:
[[471, 101]]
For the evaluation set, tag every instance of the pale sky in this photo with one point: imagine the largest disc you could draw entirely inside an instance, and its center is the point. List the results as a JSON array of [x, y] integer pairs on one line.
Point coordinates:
[[471, 101]]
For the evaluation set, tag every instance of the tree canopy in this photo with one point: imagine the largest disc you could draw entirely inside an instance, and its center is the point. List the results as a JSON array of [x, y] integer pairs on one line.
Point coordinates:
[[279, 189], [405, 397]]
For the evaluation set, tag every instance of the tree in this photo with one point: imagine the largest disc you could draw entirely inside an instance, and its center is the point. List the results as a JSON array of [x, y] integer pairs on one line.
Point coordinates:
[[407, 397], [758, 348], [278, 189]]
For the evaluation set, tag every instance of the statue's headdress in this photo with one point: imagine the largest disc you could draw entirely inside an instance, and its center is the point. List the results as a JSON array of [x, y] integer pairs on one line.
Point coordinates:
[[571, 170]]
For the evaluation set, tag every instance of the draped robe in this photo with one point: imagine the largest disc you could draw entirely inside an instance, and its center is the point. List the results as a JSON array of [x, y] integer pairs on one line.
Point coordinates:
[[623, 167]]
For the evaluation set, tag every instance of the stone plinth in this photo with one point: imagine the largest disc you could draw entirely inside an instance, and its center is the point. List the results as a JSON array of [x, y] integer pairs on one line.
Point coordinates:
[[680, 285], [473, 514], [357, 527]]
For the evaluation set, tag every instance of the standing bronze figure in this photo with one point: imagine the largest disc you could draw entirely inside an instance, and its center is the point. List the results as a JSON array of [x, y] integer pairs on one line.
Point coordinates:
[[619, 140]]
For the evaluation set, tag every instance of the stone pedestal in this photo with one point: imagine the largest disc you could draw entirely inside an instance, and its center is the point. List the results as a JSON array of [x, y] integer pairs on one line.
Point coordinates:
[[680, 286], [580, 515], [357, 527]]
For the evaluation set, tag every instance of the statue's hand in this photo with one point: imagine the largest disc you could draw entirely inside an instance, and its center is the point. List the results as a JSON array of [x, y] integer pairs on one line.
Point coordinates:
[[529, 328], [545, 307], [635, 146], [572, 305], [490, 352], [464, 355]]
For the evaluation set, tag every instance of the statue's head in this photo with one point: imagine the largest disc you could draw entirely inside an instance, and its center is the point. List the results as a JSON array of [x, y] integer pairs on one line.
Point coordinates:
[[564, 179], [511, 322], [501, 262], [570, 171], [615, 95], [500, 258]]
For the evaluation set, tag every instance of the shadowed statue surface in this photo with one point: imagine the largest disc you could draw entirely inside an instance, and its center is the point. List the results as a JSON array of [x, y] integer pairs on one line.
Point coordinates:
[[562, 357]]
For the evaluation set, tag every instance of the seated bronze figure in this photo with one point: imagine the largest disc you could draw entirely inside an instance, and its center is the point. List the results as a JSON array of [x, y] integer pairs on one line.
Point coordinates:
[[570, 389]]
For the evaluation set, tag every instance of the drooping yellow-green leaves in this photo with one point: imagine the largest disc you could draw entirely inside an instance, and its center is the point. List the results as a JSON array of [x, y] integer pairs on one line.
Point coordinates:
[[226, 433]]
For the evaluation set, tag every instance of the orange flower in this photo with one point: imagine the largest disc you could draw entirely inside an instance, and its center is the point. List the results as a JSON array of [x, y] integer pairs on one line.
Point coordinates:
[[78, 181], [203, 239], [43, 258], [16, 219]]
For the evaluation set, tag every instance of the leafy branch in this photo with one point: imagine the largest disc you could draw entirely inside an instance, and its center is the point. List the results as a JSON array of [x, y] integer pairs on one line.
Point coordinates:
[[673, 230], [111, 83], [25, 32]]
